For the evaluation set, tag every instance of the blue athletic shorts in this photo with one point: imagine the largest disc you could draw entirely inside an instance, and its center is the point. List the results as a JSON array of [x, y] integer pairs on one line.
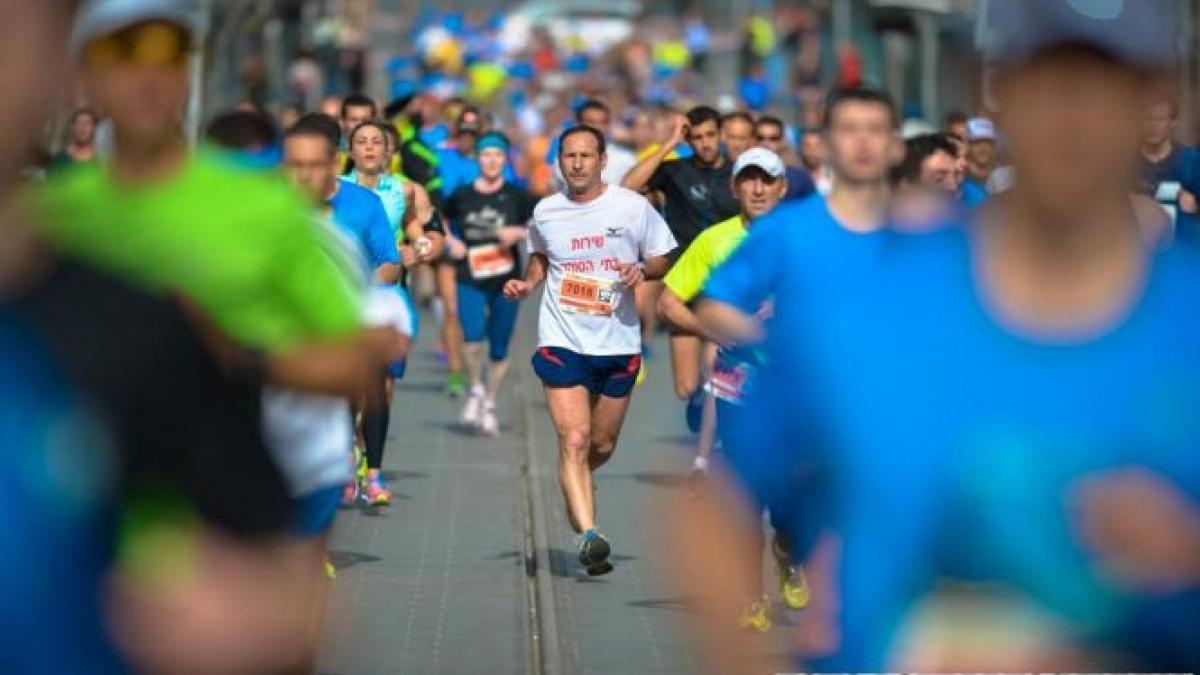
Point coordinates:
[[486, 313], [314, 512], [611, 376]]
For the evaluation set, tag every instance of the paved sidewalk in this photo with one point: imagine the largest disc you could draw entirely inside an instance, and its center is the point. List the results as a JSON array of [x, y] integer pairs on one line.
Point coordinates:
[[438, 584], [435, 583]]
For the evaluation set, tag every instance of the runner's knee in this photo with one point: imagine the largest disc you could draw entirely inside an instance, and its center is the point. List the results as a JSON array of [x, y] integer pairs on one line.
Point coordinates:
[[686, 386], [575, 443], [602, 444]]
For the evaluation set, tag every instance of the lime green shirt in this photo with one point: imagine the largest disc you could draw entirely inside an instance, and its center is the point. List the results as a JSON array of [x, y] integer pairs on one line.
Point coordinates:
[[689, 274], [240, 244]]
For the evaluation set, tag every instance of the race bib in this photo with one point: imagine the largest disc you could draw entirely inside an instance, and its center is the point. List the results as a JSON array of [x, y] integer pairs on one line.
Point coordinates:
[[582, 294], [730, 379], [489, 261]]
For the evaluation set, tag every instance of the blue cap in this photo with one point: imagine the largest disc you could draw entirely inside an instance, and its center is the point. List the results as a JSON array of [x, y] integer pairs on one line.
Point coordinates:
[[492, 139], [1139, 32]]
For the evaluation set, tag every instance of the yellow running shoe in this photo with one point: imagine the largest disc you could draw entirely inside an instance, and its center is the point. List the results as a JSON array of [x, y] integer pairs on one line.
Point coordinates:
[[360, 463], [754, 617], [793, 586]]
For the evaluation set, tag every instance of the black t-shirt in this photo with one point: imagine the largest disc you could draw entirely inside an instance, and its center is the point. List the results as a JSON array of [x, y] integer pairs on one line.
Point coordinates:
[[183, 428], [696, 198], [416, 163], [476, 219]]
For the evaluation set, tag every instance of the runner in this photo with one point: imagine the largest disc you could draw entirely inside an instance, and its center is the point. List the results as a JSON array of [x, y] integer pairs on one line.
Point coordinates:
[[595, 114], [973, 390], [454, 174], [236, 243], [310, 156], [694, 194], [81, 139], [770, 133], [409, 212], [355, 109], [112, 406], [925, 184], [488, 219], [759, 181], [593, 244], [930, 163], [1169, 168], [737, 134], [828, 243], [812, 158], [981, 160]]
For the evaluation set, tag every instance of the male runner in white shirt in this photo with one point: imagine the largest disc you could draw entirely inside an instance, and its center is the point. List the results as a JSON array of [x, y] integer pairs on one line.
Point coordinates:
[[593, 243]]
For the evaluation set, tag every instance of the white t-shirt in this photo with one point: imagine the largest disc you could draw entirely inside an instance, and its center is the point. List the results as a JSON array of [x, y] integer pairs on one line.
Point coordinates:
[[585, 308]]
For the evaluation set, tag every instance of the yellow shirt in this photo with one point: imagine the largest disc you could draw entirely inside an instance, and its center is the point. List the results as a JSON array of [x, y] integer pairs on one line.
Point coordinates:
[[689, 274], [651, 149]]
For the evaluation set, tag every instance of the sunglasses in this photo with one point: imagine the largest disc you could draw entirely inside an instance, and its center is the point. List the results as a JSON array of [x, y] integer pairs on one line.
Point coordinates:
[[770, 139], [146, 44]]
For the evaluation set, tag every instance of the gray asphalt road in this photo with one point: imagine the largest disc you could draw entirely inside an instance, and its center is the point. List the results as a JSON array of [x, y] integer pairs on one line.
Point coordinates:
[[473, 569]]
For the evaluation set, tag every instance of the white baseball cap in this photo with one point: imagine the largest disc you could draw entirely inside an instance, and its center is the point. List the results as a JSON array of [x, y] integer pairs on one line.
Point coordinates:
[[98, 18], [980, 129], [761, 158]]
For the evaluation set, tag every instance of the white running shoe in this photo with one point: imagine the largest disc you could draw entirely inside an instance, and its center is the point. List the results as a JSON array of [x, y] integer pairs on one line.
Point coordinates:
[[472, 411], [488, 424]]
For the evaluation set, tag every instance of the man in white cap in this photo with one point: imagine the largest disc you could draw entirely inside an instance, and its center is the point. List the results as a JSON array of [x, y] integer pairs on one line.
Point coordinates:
[[759, 182], [981, 159]]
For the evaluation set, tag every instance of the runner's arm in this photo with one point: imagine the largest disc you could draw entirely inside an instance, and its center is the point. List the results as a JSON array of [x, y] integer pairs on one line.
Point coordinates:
[[536, 274], [640, 177], [422, 221], [342, 367], [727, 324], [656, 267], [511, 235], [674, 311]]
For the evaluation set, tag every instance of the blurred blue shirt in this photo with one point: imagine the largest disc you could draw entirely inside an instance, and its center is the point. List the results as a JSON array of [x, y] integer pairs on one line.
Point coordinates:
[[57, 517], [359, 213], [946, 441]]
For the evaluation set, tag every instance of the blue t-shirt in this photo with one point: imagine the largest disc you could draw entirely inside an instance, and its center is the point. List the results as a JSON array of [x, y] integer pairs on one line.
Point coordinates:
[[435, 135], [457, 170], [973, 193], [947, 444], [800, 183], [56, 520], [360, 214], [390, 191]]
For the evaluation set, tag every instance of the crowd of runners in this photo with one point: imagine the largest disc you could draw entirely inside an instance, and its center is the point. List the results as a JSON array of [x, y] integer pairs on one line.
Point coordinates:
[[966, 354]]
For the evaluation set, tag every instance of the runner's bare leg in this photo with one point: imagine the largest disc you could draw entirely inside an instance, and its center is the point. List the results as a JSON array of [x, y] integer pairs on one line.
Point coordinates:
[[570, 410]]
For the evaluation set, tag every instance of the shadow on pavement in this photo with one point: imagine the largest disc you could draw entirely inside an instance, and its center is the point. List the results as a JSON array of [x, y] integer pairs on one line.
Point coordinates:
[[344, 560], [564, 564], [662, 479], [435, 387], [392, 476], [684, 604], [685, 440]]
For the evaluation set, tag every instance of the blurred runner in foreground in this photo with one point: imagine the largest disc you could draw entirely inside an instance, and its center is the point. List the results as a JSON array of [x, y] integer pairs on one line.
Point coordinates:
[[286, 313], [128, 453], [1009, 403]]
